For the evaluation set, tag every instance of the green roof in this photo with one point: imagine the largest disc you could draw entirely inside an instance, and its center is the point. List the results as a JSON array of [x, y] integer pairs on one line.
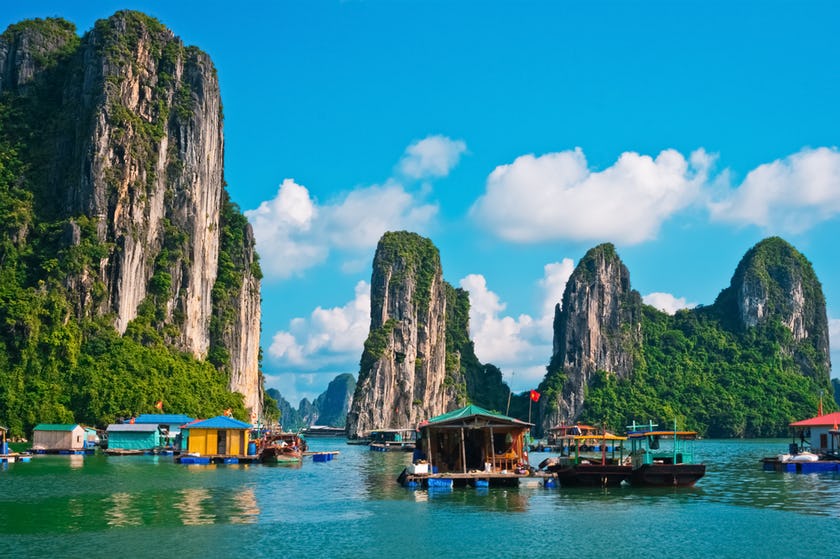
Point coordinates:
[[55, 427], [473, 410]]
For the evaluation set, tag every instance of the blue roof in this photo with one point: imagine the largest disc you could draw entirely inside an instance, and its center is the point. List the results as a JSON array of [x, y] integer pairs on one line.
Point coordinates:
[[164, 418], [219, 422]]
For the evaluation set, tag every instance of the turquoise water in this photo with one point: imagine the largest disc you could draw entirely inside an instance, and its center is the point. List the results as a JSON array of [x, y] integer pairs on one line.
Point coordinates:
[[145, 506]]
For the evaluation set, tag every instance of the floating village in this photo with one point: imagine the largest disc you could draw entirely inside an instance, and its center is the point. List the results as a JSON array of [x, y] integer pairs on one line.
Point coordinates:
[[467, 447]]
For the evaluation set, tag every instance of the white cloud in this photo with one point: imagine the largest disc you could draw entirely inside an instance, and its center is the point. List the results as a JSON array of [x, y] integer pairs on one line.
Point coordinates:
[[433, 156], [282, 228], [360, 219], [789, 195], [328, 337], [294, 232], [553, 284], [667, 303], [557, 196], [520, 346]]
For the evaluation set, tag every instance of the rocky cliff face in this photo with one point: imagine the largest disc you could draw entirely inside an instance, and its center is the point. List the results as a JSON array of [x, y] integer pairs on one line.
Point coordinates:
[[598, 327], [775, 282], [402, 377], [133, 161]]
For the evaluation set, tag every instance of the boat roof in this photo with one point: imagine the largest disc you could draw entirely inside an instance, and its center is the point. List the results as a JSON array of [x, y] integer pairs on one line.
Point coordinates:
[[163, 418], [131, 428], [596, 437], [391, 430], [56, 426], [825, 420], [473, 411], [682, 434], [219, 422]]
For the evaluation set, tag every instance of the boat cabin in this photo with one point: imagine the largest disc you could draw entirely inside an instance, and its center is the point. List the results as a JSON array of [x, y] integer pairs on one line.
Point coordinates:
[[473, 439], [393, 439], [648, 445]]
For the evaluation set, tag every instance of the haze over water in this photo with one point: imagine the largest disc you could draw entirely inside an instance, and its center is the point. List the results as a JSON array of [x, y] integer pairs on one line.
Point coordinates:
[[148, 506]]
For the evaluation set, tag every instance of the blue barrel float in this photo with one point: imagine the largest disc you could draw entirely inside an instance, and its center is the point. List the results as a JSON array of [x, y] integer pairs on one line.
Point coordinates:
[[252, 448]]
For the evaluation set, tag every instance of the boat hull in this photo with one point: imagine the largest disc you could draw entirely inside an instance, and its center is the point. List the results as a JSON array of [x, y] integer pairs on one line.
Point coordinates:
[[591, 475], [668, 475]]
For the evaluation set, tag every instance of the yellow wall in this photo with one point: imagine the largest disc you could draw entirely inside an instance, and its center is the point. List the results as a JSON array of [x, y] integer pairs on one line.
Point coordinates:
[[206, 441]]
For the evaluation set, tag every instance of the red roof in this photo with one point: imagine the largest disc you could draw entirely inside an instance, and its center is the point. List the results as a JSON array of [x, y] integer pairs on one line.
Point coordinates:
[[827, 420]]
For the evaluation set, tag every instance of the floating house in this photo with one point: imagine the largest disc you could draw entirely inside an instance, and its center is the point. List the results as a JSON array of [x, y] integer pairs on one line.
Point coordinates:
[[816, 432], [471, 446], [815, 448], [48, 438], [169, 426], [218, 439], [132, 438]]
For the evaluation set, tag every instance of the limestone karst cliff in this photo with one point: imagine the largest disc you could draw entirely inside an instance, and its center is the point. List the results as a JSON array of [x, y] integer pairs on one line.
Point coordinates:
[[746, 365], [403, 373], [129, 167], [774, 281], [598, 327]]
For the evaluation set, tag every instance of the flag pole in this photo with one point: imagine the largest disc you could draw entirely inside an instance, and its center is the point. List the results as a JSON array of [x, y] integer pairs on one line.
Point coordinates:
[[510, 391]]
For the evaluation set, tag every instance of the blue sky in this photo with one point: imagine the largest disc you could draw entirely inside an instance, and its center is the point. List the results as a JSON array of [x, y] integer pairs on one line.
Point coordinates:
[[515, 135]]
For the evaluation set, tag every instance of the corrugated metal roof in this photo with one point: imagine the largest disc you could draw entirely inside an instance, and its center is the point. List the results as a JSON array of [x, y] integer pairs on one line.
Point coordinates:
[[164, 418], [827, 420], [473, 410], [129, 427], [220, 422], [55, 427]]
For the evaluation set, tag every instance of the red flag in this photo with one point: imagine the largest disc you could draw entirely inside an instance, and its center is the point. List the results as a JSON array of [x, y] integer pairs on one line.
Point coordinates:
[[228, 412], [535, 396], [132, 421], [159, 404]]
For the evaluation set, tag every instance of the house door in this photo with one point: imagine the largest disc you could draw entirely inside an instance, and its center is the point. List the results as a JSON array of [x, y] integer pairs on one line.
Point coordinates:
[[823, 440], [221, 437]]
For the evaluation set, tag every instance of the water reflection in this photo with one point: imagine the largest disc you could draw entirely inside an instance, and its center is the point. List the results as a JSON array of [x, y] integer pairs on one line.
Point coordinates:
[[120, 512], [77, 461], [191, 505]]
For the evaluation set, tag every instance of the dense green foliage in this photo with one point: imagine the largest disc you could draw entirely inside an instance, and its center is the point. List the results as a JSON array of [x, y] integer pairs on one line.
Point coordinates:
[[59, 363], [408, 255]]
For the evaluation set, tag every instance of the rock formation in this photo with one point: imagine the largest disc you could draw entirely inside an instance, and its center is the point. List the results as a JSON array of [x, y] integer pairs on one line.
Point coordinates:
[[403, 372], [774, 281], [133, 163], [597, 328]]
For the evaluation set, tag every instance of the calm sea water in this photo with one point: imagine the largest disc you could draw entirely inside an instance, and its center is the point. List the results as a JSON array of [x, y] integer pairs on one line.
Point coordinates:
[[145, 506]]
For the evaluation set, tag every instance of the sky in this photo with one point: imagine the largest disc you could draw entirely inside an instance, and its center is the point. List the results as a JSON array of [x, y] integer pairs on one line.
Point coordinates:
[[516, 136]]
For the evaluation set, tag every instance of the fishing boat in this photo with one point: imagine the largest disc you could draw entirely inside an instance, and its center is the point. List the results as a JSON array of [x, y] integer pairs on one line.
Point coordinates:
[[656, 457], [389, 440], [815, 447], [590, 460], [663, 457], [281, 448]]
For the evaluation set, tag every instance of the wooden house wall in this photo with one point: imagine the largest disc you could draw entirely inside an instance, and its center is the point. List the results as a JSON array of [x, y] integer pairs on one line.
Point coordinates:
[[59, 440], [206, 441]]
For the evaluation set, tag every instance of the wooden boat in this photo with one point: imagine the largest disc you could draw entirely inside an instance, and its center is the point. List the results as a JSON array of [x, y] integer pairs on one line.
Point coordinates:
[[656, 458], [663, 457], [591, 461], [281, 448], [389, 440]]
